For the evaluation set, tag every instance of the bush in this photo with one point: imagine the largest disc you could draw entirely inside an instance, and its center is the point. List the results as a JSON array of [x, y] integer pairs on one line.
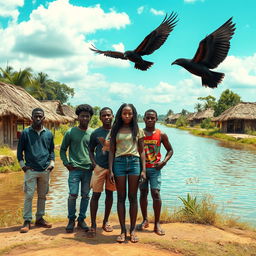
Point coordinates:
[[207, 123], [181, 121]]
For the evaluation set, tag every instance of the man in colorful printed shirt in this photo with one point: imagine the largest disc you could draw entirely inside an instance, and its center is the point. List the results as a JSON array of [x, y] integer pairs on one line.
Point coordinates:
[[99, 149], [76, 141], [36, 142], [152, 143]]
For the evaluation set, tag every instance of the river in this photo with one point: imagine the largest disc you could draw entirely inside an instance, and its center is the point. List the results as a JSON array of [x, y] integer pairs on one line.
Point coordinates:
[[199, 166]]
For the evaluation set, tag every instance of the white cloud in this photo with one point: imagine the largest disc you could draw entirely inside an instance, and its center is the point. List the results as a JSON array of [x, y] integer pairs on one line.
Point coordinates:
[[54, 38], [9, 8], [156, 12], [240, 72], [140, 10], [119, 47]]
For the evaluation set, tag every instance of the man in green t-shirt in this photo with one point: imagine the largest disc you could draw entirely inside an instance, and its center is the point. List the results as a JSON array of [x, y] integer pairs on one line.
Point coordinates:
[[76, 141]]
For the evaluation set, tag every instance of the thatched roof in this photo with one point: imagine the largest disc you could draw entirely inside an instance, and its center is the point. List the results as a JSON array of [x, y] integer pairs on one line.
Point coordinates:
[[243, 110], [204, 114], [173, 116], [14, 100], [69, 111], [191, 116], [56, 107]]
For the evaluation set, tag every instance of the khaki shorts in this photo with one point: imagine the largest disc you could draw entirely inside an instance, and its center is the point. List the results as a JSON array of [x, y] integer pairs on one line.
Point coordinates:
[[99, 177]]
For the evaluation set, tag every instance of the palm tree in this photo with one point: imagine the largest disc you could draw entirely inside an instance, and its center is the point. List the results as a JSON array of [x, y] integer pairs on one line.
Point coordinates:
[[21, 78], [198, 107]]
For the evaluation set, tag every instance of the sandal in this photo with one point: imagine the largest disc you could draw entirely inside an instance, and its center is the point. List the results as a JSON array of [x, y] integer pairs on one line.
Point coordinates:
[[142, 226], [91, 233], [121, 238], [159, 232], [134, 238], [107, 227]]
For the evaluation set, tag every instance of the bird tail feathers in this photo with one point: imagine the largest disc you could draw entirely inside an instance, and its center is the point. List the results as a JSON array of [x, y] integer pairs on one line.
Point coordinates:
[[213, 80], [143, 65]]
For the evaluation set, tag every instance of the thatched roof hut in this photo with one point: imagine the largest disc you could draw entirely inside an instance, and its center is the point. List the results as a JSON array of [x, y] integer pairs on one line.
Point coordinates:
[[208, 113], [56, 107], [14, 100], [16, 106], [69, 111], [238, 118], [171, 119]]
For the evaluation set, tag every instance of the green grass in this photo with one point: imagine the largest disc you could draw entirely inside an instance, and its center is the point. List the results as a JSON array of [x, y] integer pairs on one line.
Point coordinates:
[[215, 133], [15, 167]]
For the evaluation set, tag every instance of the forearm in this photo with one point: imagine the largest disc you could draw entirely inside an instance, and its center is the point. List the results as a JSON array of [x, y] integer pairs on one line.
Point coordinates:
[[143, 160]]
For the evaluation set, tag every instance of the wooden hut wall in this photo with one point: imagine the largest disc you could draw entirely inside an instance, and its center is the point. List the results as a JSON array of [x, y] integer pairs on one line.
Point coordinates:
[[1, 132], [250, 125]]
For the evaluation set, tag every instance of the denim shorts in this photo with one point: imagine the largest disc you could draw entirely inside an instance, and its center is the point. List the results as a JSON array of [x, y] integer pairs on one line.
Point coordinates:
[[153, 177], [126, 165]]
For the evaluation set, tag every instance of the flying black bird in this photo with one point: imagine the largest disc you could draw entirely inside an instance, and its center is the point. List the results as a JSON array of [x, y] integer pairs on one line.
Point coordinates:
[[151, 42], [212, 50]]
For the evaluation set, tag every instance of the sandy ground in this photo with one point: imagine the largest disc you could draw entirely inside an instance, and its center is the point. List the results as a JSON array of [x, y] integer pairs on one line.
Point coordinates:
[[55, 241], [240, 135]]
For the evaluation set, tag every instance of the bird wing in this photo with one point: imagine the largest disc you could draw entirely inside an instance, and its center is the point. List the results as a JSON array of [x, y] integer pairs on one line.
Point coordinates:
[[213, 49], [113, 54], [157, 37]]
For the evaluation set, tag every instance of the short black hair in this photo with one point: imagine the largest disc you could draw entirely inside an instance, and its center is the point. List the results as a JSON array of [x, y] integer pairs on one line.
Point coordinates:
[[150, 110], [106, 108], [84, 107], [37, 110]]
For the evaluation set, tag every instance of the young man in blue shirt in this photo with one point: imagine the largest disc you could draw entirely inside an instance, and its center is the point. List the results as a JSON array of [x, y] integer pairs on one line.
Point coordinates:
[[99, 149], [36, 142]]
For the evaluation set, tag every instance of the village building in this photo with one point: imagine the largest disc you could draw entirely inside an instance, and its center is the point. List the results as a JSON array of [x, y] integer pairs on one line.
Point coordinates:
[[63, 110], [198, 117], [16, 106], [172, 119], [238, 119]]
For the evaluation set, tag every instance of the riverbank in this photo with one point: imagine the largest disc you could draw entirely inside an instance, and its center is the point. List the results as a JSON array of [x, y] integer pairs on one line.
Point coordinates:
[[180, 239], [244, 139]]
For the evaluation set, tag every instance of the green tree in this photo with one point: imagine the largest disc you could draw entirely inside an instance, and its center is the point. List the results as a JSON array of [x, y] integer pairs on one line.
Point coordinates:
[[210, 102], [227, 99], [60, 91], [184, 112], [21, 78], [170, 112], [198, 107]]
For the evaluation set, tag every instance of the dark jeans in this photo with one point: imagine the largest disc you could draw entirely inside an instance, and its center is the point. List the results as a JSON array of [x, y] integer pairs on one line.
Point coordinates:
[[77, 177]]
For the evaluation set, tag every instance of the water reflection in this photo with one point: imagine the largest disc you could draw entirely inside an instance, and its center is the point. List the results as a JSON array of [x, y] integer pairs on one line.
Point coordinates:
[[199, 166]]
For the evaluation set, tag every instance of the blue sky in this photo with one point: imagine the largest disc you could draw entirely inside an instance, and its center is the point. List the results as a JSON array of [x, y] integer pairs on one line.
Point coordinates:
[[54, 37]]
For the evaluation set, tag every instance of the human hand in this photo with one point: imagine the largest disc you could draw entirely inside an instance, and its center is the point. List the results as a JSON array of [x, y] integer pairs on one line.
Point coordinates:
[[70, 167], [50, 168], [143, 177], [160, 165], [25, 168], [111, 177]]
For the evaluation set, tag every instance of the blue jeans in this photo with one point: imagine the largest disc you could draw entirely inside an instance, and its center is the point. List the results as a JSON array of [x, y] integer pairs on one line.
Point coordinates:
[[153, 177], [126, 165], [75, 178]]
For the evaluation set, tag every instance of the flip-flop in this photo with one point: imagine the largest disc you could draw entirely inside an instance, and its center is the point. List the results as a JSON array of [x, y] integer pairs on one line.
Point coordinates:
[[142, 226], [107, 227], [134, 238], [159, 232], [121, 238], [91, 233]]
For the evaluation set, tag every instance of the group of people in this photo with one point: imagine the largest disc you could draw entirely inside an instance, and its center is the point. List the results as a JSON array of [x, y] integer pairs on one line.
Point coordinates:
[[118, 154]]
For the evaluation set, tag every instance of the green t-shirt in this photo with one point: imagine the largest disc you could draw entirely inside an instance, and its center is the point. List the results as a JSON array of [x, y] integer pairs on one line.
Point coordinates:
[[76, 141]]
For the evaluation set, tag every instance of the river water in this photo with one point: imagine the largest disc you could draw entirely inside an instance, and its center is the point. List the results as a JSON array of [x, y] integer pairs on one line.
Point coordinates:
[[199, 166]]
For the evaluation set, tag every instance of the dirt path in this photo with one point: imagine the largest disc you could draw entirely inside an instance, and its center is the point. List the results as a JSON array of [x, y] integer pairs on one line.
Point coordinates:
[[56, 241]]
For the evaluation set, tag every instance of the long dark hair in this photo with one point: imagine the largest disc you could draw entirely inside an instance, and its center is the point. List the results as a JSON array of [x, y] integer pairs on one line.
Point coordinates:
[[119, 122]]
